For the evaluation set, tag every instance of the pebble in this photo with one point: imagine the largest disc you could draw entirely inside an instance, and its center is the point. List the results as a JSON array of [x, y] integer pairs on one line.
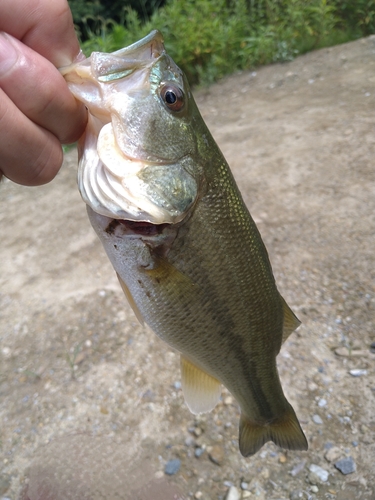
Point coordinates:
[[296, 495], [244, 485], [322, 402], [358, 372], [246, 494], [189, 441], [342, 351], [4, 483], [317, 474], [314, 488], [198, 452], [346, 465], [233, 494], [297, 468], [172, 466], [265, 473], [216, 454], [198, 494], [372, 348], [317, 419], [333, 454]]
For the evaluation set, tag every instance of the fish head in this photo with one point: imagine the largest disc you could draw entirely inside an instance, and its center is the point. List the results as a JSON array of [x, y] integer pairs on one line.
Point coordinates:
[[138, 154]]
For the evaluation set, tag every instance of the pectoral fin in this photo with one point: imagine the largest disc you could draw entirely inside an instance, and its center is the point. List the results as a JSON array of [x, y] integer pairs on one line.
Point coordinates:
[[291, 322], [131, 301], [201, 391]]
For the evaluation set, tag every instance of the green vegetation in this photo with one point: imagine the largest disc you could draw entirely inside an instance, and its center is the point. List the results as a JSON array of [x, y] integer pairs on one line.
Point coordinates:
[[211, 38]]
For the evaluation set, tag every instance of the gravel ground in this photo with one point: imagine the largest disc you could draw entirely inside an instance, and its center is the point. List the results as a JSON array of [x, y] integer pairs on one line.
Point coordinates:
[[91, 405]]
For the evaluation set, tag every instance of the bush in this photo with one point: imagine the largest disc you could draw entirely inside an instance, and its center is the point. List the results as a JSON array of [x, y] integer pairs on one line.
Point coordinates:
[[210, 38]]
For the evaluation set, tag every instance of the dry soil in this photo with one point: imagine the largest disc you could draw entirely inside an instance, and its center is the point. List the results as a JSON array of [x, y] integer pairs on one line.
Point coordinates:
[[91, 406]]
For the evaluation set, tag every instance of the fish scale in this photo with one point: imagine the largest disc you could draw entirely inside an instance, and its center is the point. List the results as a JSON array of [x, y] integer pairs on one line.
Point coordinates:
[[188, 255]]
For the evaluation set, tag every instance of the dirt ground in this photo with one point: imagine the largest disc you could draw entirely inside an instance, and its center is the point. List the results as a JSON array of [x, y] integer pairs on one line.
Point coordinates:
[[91, 406]]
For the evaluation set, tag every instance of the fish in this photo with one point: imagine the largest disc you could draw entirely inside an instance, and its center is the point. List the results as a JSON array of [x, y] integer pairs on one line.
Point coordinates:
[[188, 255]]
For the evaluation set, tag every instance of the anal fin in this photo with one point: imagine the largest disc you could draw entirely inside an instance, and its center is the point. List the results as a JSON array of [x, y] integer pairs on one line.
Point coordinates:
[[201, 391], [131, 301], [284, 431]]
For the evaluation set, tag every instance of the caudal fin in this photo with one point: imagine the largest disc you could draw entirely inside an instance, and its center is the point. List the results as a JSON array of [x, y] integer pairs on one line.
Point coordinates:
[[285, 432]]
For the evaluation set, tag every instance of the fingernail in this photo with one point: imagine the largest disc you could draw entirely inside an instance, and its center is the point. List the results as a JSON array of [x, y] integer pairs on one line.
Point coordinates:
[[8, 53]]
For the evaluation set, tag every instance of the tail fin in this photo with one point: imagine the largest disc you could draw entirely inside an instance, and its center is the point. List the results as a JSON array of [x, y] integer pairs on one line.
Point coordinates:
[[285, 431]]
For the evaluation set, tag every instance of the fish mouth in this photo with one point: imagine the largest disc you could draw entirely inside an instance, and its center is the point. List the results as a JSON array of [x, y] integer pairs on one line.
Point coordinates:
[[122, 188], [136, 228]]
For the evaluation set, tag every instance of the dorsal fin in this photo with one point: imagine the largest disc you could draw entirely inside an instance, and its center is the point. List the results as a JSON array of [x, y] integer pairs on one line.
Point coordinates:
[[291, 322], [201, 391]]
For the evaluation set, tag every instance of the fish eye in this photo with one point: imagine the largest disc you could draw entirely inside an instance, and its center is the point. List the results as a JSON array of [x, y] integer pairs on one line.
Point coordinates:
[[173, 97]]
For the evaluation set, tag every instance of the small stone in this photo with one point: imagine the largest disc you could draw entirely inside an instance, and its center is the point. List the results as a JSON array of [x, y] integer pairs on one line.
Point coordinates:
[[346, 465], [216, 454], [322, 402], [314, 488], [189, 441], [342, 351], [198, 494], [282, 459], [246, 494], [372, 347], [198, 452], [228, 400], [358, 372], [233, 494], [197, 431], [333, 454], [296, 495], [244, 485], [4, 483], [317, 474], [265, 473], [172, 466], [297, 468], [317, 419]]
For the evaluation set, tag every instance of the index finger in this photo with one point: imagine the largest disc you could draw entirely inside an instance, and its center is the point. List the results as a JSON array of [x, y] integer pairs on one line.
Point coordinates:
[[45, 26]]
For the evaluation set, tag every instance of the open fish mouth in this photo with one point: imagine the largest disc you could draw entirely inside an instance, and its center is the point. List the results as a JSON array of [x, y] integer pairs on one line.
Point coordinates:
[[118, 187]]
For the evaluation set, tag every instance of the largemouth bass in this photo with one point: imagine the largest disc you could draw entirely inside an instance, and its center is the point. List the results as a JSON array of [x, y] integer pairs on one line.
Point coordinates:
[[188, 255]]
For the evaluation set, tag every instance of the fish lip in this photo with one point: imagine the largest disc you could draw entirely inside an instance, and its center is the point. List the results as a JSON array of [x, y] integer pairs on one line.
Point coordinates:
[[154, 39]]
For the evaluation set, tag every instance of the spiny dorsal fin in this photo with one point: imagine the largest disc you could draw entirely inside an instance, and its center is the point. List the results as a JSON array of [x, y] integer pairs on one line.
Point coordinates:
[[291, 322], [201, 391], [131, 301]]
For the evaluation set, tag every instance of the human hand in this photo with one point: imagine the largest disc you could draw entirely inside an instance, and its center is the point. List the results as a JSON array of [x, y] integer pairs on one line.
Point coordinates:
[[37, 110]]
